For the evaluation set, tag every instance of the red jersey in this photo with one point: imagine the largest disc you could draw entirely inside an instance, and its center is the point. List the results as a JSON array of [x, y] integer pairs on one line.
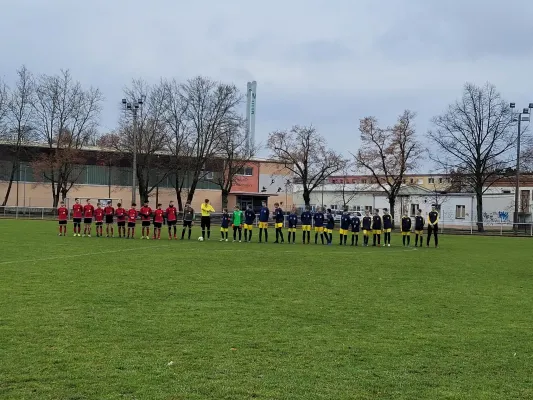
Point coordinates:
[[88, 211], [132, 215], [171, 214], [159, 216], [62, 214], [99, 214], [109, 211], [121, 214], [146, 213], [77, 211]]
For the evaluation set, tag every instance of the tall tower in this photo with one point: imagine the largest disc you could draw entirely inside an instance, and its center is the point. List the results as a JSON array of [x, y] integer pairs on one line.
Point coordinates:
[[251, 93]]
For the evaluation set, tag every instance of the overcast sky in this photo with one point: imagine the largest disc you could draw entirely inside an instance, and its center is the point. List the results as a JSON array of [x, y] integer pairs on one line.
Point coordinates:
[[328, 63]]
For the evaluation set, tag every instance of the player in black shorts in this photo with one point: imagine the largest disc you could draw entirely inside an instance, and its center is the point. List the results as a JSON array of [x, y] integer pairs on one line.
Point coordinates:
[[188, 217], [433, 226]]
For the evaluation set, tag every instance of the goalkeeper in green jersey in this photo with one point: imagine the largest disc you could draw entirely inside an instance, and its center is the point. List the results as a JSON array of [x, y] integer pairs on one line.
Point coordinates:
[[236, 221]]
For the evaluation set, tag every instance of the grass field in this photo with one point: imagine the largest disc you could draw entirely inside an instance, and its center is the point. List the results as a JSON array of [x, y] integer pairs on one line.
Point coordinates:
[[96, 318]]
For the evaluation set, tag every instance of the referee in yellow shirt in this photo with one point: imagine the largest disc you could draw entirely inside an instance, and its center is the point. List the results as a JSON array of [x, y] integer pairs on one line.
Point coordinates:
[[205, 221]]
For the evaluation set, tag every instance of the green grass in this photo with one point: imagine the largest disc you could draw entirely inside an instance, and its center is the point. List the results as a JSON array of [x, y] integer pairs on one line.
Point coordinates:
[[89, 318]]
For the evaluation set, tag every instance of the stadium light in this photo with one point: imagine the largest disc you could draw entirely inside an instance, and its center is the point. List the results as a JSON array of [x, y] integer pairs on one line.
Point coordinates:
[[133, 108], [525, 112]]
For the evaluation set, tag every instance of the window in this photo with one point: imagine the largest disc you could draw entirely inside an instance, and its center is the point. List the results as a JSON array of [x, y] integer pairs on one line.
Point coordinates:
[[506, 191], [431, 180], [354, 181], [246, 171], [440, 180], [414, 209], [208, 176], [334, 207], [420, 181], [363, 181], [334, 180], [411, 181], [460, 212], [369, 209]]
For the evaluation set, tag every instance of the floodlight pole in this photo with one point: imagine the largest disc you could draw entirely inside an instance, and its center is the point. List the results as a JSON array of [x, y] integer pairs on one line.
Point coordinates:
[[133, 108], [525, 111]]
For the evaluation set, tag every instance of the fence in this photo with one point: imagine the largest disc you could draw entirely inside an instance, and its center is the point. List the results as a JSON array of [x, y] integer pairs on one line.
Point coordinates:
[[490, 228]]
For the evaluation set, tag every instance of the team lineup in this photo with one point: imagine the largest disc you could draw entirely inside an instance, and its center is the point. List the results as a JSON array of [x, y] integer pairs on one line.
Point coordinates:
[[323, 224]]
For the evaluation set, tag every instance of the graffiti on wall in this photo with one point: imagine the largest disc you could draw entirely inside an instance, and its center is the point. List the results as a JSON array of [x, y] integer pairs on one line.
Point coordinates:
[[496, 217]]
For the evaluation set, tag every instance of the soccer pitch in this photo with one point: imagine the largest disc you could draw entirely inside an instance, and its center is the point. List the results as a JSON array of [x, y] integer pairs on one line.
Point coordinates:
[[97, 318]]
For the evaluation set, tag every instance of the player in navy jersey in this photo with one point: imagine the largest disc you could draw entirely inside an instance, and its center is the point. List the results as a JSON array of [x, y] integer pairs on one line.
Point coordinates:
[[264, 215], [367, 228], [279, 218], [419, 228], [387, 226], [306, 220], [345, 227], [330, 226], [433, 226], [293, 221], [377, 226], [356, 226], [406, 230], [224, 225], [249, 218], [318, 218]]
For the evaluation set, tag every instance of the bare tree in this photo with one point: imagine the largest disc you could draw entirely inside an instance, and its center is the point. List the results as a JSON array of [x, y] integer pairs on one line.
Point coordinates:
[[347, 191], [19, 129], [149, 134], [66, 117], [389, 153], [304, 152], [179, 139], [235, 156], [108, 156], [474, 137], [210, 109]]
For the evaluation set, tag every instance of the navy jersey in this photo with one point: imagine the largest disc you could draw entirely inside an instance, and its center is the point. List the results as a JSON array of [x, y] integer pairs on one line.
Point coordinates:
[[433, 217], [330, 221], [306, 218], [387, 221], [319, 219], [293, 220], [345, 221], [376, 222], [367, 223], [406, 224], [356, 223], [225, 220], [278, 215], [264, 214], [249, 217], [419, 223]]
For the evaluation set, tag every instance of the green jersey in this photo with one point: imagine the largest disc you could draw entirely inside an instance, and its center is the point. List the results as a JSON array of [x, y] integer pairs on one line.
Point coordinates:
[[237, 217]]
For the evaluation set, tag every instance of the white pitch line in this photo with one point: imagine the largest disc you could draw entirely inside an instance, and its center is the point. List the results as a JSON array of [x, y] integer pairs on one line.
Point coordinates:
[[80, 255]]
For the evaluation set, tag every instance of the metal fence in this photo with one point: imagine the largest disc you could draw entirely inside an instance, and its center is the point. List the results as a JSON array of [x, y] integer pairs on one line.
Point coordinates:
[[490, 228]]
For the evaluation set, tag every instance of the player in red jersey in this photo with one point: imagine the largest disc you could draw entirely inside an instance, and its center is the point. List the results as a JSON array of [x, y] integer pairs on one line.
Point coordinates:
[[99, 219], [172, 218], [77, 215], [159, 219], [109, 212], [88, 213], [132, 219], [62, 217], [121, 220], [146, 214]]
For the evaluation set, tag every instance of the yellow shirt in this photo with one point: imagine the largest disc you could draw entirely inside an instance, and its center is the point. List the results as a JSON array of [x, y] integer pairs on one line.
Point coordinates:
[[207, 209]]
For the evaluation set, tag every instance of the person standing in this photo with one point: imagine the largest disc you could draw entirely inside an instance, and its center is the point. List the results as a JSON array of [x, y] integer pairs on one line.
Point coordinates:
[[330, 226], [171, 215], [367, 228], [224, 225], [188, 217], [293, 222], [62, 216], [236, 222], [279, 217], [109, 213], [99, 219], [387, 226], [356, 226], [159, 219], [346, 221], [377, 226], [433, 226], [121, 220], [318, 219], [406, 230], [77, 215], [205, 221], [88, 212], [419, 228], [146, 216], [249, 218], [264, 215], [306, 220]]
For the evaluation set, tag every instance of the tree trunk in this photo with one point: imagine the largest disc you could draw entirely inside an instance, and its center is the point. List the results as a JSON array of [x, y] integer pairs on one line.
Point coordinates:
[[177, 187], [307, 197], [14, 169], [190, 195], [479, 203], [225, 195], [143, 188], [55, 194]]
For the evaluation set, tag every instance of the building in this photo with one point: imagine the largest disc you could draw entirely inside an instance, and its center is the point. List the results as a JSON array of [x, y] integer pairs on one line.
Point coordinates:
[[261, 179]]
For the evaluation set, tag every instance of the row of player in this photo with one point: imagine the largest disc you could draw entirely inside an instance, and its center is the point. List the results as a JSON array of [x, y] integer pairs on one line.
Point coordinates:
[[323, 224]]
